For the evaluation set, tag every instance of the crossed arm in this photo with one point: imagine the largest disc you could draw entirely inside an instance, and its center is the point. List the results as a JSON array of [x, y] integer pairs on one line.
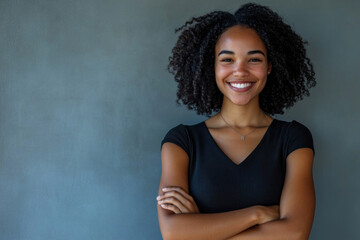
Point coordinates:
[[180, 218]]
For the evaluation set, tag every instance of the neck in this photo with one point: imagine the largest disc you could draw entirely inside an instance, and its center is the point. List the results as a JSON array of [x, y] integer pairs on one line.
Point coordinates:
[[250, 115]]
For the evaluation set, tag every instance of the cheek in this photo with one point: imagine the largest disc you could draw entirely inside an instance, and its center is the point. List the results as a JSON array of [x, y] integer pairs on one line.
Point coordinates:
[[221, 72], [218, 75], [262, 73], [219, 80]]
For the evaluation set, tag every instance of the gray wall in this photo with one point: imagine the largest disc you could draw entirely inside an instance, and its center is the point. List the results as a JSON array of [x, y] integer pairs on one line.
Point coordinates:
[[85, 100]]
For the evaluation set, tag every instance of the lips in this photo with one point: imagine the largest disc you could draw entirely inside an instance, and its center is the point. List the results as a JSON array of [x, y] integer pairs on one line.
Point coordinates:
[[240, 86]]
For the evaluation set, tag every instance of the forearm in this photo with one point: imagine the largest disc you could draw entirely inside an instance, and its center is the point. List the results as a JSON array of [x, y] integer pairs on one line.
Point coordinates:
[[282, 229], [206, 226]]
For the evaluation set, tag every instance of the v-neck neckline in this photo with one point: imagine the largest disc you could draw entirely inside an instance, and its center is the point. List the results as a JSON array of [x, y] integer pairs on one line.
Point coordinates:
[[251, 153]]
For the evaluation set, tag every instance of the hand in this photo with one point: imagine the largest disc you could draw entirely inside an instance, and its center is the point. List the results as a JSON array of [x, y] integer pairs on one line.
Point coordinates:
[[268, 213], [177, 200]]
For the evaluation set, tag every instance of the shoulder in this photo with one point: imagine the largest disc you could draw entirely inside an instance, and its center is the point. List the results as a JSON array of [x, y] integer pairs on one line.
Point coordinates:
[[181, 135], [182, 130], [297, 135], [292, 127], [299, 132], [296, 127]]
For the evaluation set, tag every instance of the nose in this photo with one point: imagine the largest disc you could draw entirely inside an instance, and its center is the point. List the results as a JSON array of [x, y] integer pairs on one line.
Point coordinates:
[[240, 69]]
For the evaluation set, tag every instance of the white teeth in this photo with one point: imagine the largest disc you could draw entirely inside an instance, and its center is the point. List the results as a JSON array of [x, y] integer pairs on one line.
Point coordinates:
[[240, 85]]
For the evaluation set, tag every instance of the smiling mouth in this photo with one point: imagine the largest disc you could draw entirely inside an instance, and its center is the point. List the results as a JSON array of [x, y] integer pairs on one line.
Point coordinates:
[[241, 85]]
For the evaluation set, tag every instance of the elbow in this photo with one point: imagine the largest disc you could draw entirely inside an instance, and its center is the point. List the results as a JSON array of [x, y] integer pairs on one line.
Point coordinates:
[[167, 236], [166, 233], [292, 234], [303, 235], [296, 231], [169, 231], [170, 227], [299, 234]]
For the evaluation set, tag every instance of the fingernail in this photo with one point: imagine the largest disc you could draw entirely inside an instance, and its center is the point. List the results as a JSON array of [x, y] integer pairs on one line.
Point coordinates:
[[163, 205], [164, 189], [157, 198]]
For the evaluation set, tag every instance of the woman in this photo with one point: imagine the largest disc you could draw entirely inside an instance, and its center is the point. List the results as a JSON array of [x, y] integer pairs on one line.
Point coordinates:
[[241, 174]]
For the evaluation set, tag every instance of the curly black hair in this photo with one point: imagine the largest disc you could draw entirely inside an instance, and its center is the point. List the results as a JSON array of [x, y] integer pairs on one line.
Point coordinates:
[[193, 58]]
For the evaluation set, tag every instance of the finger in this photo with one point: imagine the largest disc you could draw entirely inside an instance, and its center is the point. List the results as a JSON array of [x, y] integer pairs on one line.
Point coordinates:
[[178, 196], [170, 207], [171, 194], [188, 201], [174, 201], [180, 190], [186, 205]]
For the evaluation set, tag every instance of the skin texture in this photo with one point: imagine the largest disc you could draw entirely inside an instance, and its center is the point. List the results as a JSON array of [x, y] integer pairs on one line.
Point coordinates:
[[241, 60], [179, 217]]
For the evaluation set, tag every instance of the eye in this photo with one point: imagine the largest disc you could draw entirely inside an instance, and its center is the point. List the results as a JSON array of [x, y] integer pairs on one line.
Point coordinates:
[[255, 60], [226, 60]]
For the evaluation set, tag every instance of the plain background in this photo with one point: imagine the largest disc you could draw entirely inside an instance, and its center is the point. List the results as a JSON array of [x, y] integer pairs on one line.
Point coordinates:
[[85, 100]]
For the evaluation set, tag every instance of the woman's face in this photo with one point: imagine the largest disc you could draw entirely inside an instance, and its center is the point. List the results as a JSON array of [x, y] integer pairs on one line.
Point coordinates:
[[241, 65]]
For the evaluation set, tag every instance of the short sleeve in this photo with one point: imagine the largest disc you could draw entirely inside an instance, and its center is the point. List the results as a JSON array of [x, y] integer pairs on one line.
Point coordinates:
[[179, 136], [299, 136]]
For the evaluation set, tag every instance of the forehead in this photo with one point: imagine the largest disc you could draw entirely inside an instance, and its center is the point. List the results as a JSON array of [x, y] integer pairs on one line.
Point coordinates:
[[240, 38]]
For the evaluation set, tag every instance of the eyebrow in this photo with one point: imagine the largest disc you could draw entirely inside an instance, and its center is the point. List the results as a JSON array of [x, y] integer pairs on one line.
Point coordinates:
[[226, 52], [256, 51], [249, 53]]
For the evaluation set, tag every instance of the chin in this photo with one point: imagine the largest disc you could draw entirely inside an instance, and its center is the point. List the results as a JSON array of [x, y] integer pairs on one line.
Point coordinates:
[[241, 102]]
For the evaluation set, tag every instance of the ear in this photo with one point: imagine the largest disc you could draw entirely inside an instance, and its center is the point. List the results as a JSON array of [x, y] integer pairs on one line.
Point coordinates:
[[269, 68]]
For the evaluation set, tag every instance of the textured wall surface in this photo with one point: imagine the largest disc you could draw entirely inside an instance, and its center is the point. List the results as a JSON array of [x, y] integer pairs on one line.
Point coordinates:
[[85, 100]]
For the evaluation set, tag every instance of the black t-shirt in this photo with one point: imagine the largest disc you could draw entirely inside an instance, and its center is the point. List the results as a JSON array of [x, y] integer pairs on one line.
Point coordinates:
[[218, 184]]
